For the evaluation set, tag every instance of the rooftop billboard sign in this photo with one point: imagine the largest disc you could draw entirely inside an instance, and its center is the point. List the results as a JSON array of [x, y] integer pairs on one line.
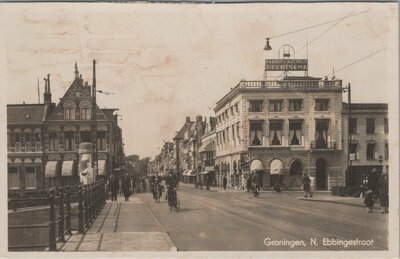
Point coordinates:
[[286, 65]]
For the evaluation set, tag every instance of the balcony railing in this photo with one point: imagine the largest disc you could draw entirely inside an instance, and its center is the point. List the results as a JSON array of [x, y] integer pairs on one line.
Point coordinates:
[[326, 145], [292, 84]]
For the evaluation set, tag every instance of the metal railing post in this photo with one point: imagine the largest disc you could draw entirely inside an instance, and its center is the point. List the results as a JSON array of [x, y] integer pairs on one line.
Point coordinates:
[[68, 207], [61, 214], [86, 200], [80, 210], [52, 224]]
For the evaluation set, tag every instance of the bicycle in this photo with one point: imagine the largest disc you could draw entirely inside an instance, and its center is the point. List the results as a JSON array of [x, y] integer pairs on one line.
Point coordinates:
[[173, 201]]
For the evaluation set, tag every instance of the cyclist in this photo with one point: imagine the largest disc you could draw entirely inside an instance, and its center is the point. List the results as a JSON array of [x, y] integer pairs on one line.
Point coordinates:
[[171, 182], [157, 186]]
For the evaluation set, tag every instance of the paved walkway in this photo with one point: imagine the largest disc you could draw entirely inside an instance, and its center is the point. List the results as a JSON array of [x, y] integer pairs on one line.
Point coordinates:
[[123, 226]]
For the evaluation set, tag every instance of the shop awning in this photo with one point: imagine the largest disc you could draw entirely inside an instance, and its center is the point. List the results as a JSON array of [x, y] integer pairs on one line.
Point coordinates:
[[67, 168], [276, 166], [192, 173], [101, 167], [256, 165], [204, 172], [51, 168], [206, 148]]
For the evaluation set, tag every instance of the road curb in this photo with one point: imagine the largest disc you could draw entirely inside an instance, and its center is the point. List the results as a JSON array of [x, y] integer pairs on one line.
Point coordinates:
[[330, 201]]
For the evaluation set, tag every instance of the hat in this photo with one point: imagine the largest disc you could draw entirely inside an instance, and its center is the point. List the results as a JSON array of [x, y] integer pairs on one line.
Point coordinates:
[[368, 192]]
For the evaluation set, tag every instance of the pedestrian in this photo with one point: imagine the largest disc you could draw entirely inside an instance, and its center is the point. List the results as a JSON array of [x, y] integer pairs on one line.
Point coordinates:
[[306, 185], [312, 186], [126, 186], [248, 184], [383, 193], [114, 185], [369, 201], [224, 182]]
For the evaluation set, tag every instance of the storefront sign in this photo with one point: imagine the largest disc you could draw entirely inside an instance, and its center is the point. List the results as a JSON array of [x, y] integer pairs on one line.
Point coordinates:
[[286, 65]]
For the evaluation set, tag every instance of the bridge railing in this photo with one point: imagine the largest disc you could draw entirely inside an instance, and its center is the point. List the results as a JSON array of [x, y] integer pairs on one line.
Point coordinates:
[[89, 200]]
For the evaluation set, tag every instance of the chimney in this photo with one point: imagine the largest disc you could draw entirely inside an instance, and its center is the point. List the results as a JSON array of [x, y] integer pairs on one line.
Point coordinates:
[[76, 71], [47, 95], [187, 119]]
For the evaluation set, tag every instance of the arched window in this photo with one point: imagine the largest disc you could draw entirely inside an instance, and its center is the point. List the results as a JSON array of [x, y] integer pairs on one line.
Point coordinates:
[[69, 110]]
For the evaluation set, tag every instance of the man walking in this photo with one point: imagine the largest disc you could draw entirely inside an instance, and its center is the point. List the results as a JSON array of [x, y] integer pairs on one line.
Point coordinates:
[[224, 182], [306, 185]]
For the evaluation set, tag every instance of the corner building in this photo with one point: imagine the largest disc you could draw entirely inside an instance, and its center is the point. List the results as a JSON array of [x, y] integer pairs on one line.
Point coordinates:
[[282, 129]]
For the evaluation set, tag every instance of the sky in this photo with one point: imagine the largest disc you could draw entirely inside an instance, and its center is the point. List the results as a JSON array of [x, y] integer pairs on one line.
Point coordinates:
[[164, 62]]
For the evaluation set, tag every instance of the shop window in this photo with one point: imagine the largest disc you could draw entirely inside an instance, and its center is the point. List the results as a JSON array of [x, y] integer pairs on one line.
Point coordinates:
[[370, 125], [370, 151], [255, 133], [53, 142], [275, 105], [256, 105], [13, 178], [321, 104], [275, 133], [295, 132], [30, 177], [69, 141], [295, 104], [353, 126]]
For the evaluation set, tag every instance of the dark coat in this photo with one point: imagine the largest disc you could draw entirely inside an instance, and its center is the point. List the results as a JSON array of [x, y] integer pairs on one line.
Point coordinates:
[[383, 192], [126, 184], [369, 200]]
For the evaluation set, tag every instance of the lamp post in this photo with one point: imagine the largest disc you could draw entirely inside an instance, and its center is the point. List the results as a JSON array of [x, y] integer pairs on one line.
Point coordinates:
[[348, 90]]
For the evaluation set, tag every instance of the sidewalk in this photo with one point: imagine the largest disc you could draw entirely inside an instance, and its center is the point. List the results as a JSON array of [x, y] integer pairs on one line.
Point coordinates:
[[122, 226]]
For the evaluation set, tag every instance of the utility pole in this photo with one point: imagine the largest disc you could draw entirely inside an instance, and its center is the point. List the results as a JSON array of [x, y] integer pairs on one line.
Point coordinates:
[[348, 88], [94, 125]]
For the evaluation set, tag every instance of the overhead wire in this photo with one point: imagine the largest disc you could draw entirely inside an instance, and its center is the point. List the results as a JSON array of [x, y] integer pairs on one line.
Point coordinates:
[[317, 25], [357, 61], [330, 28]]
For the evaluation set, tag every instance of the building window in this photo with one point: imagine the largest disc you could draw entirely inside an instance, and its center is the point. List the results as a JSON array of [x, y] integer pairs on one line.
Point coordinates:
[[53, 142], [386, 125], [353, 126], [101, 140], [223, 136], [30, 177], [13, 178], [36, 137], [18, 137], [295, 104], [371, 151], [353, 150], [231, 111], [370, 125], [295, 132], [233, 132], [275, 105], [275, 133], [69, 141], [256, 105], [255, 133], [237, 107], [321, 134], [227, 134], [237, 131], [69, 113], [386, 151], [27, 137], [86, 136], [85, 114], [321, 104]]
